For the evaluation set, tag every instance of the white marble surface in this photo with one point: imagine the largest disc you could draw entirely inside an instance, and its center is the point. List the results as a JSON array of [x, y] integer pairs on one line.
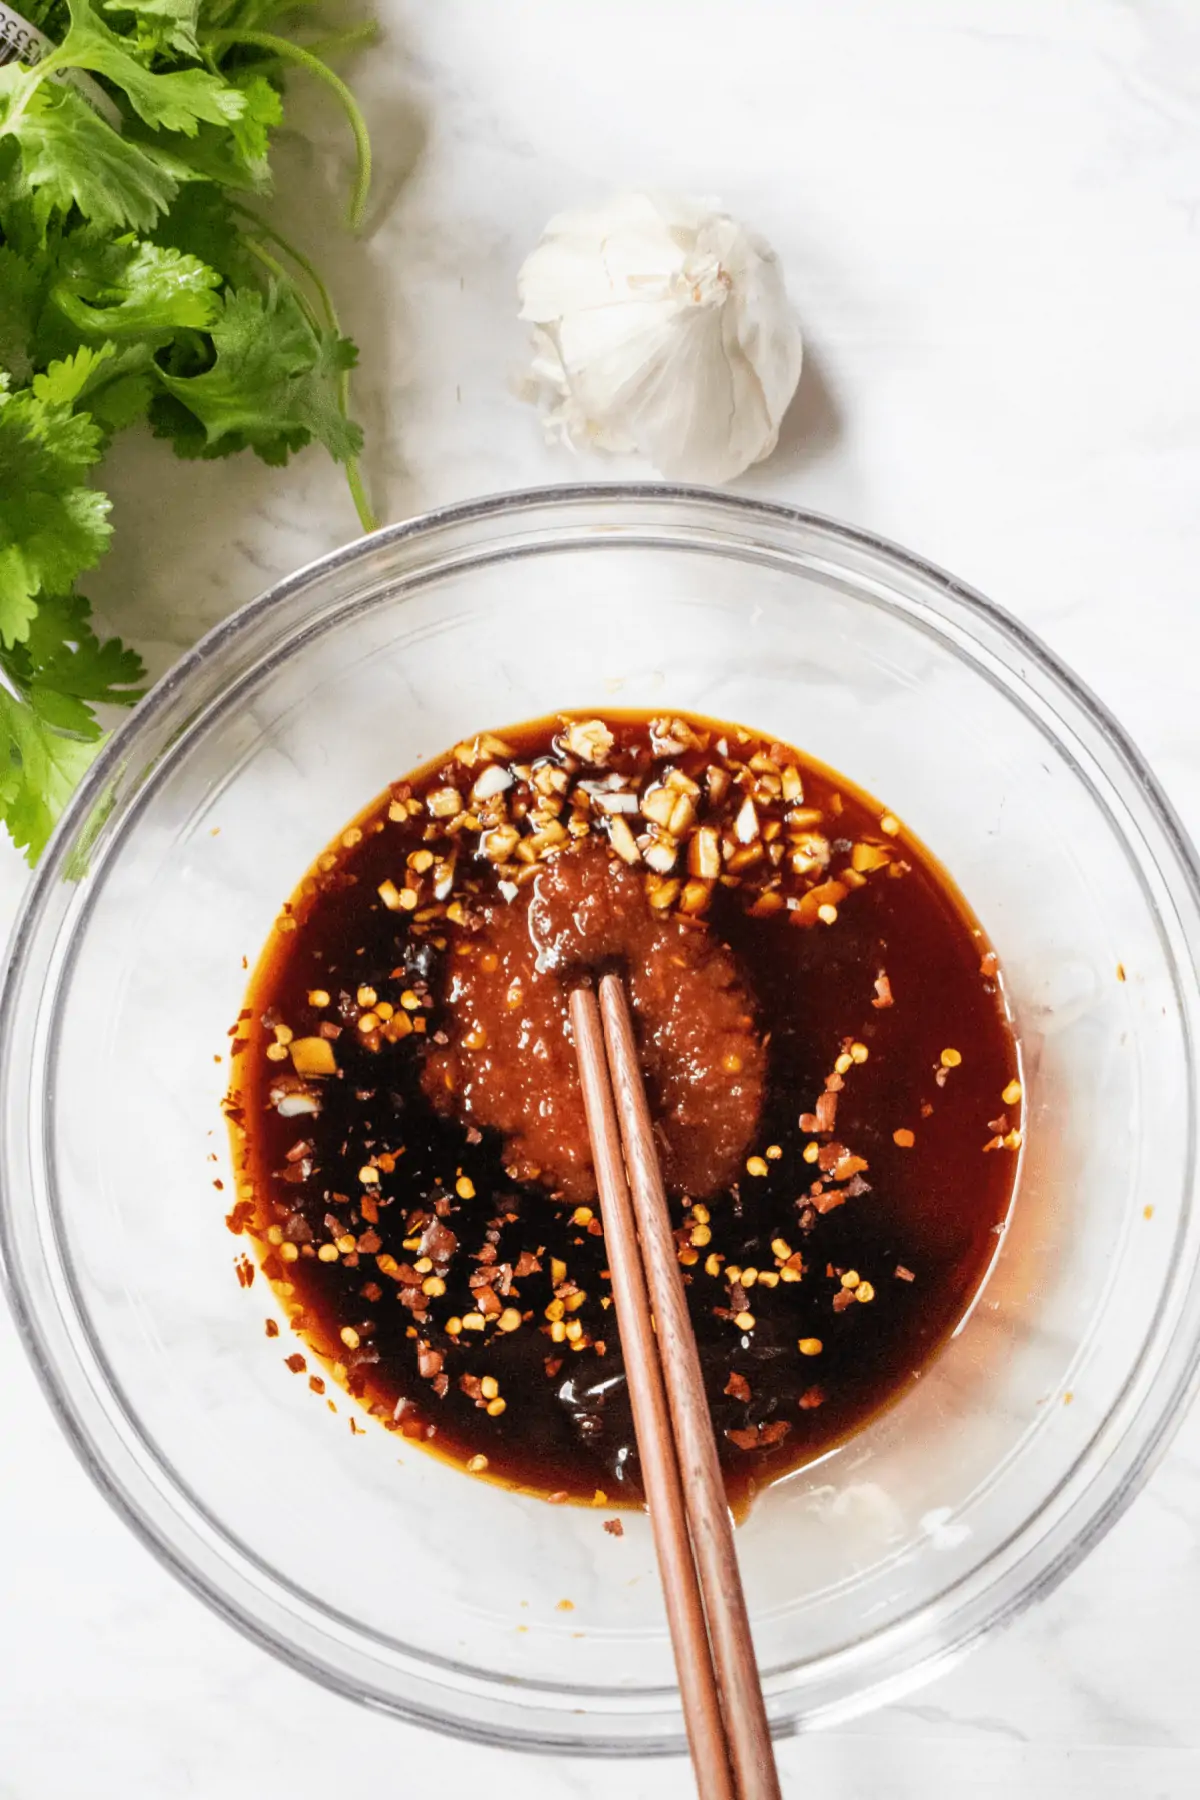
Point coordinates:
[[989, 211]]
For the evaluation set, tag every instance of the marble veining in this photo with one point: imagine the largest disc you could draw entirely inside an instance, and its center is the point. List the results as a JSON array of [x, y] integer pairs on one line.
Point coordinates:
[[989, 212]]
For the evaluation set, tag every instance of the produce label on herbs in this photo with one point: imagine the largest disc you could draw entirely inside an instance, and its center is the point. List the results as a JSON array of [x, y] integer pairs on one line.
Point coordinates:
[[22, 42]]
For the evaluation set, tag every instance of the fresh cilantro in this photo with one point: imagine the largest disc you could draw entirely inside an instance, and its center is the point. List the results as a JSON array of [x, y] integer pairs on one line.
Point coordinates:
[[71, 157], [39, 768], [135, 284], [19, 292], [175, 101], [270, 385], [52, 525], [166, 24], [130, 289]]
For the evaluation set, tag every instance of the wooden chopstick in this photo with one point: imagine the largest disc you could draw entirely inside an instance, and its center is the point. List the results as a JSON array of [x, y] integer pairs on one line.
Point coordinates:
[[710, 1629], [651, 1419]]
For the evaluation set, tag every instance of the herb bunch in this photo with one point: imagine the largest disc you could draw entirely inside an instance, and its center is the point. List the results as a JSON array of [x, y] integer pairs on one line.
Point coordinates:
[[139, 282]]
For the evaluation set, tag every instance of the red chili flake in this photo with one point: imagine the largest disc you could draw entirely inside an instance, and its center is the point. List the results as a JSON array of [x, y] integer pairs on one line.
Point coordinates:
[[245, 1271], [272, 1328], [825, 1200], [614, 1528], [827, 1112], [737, 1386], [356, 1430], [903, 1274], [429, 1362], [369, 1207], [808, 1122], [316, 1384], [369, 1242], [240, 1217], [848, 1166], [813, 1396], [774, 1433], [488, 1253], [830, 1154], [438, 1241], [558, 1498], [471, 1386], [441, 1386], [739, 1300], [842, 1299], [296, 1363], [989, 964], [527, 1264], [552, 1365], [487, 1301], [745, 1437]]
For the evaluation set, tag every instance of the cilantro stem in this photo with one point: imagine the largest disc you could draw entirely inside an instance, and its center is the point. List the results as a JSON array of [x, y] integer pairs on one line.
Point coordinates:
[[33, 79], [358, 494], [298, 257], [354, 480], [304, 59], [355, 37]]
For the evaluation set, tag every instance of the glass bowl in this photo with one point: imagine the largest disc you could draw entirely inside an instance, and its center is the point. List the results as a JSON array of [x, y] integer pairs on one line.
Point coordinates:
[[367, 1562]]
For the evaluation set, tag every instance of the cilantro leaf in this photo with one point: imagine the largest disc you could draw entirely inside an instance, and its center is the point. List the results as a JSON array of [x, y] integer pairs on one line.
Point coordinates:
[[169, 23], [176, 101], [52, 526], [273, 385], [63, 383], [20, 287], [39, 768], [202, 223], [130, 290], [250, 132], [117, 384], [70, 157], [63, 669]]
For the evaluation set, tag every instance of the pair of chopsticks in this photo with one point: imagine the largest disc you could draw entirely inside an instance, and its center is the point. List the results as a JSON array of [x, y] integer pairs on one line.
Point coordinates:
[[706, 1609]]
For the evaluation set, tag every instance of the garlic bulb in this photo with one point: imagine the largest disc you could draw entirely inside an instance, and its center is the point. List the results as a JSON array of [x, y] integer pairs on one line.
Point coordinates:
[[661, 328]]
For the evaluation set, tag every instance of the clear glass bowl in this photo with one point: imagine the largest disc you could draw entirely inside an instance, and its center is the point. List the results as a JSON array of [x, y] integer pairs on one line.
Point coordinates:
[[370, 1564]]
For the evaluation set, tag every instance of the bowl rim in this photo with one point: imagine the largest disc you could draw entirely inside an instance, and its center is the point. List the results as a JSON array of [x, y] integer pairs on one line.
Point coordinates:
[[89, 798]]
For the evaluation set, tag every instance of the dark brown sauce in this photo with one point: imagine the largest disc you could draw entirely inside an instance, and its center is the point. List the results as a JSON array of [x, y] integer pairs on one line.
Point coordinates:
[[890, 1014]]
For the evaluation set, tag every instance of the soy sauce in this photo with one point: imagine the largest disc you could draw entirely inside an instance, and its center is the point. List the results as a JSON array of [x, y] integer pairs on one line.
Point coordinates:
[[427, 1261]]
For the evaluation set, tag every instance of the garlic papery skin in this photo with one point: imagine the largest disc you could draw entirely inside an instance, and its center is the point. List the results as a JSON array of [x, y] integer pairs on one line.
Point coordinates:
[[662, 328]]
